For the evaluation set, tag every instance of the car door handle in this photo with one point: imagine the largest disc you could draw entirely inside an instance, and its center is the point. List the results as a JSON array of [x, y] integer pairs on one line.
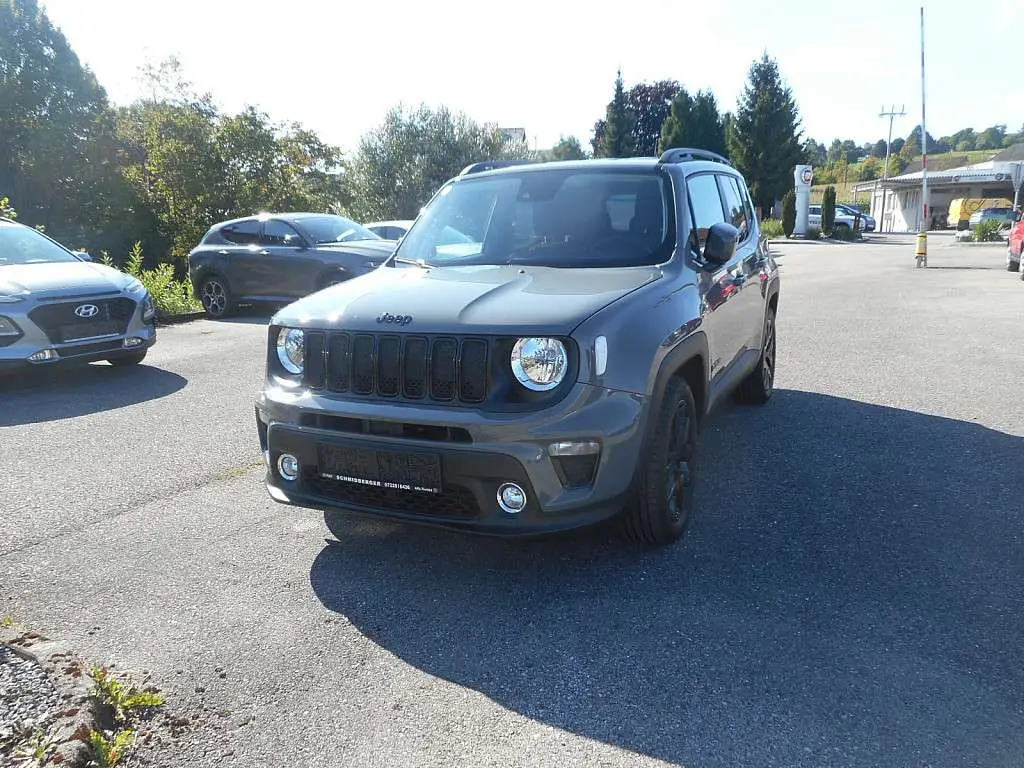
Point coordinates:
[[222, 253], [264, 252]]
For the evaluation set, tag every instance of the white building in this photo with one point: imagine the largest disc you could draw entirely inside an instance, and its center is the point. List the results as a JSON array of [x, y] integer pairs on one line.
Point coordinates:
[[1003, 176]]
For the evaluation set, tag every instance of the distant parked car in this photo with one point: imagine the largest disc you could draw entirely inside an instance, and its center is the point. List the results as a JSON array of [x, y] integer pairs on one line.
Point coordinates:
[[843, 220], [277, 258], [1002, 216], [867, 222], [395, 230], [56, 307]]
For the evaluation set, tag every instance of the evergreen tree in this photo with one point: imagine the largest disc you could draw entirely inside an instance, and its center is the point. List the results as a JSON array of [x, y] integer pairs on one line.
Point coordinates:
[[618, 140], [765, 139], [694, 122]]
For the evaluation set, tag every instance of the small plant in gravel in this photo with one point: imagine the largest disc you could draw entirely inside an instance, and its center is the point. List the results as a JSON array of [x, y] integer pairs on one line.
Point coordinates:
[[813, 233], [126, 702], [6, 622], [34, 745], [124, 698], [110, 753]]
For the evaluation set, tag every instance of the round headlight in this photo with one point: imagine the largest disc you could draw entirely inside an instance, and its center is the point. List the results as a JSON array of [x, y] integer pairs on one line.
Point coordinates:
[[539, 364], [291, 349]]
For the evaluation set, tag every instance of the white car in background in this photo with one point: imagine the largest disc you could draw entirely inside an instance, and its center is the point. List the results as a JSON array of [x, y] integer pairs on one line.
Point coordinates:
[[842, 219], [395, 230]]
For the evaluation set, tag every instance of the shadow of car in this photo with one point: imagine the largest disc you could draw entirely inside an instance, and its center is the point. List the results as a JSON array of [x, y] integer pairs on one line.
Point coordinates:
[[814, 616]]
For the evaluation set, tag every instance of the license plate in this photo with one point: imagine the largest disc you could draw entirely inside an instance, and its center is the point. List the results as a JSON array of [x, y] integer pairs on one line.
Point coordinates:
[[88, 330], [395, 470]]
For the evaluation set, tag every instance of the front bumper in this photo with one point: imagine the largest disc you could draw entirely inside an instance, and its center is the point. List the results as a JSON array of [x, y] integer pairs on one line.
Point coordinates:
[[478, 453], [34, 347]]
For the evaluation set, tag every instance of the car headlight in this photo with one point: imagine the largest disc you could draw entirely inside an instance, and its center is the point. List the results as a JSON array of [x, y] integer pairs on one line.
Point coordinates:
[[13, 298], [538, 363], [148, 309], [291, 349]]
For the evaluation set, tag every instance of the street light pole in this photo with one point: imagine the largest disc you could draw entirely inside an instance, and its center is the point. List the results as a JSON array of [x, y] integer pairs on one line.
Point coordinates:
[[891, 114]]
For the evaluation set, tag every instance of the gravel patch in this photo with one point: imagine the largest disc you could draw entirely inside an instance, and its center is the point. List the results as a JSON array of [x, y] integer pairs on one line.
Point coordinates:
[[27, 697]]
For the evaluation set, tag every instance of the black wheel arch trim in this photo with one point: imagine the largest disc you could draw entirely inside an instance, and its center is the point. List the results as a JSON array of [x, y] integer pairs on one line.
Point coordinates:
[[693, 347]]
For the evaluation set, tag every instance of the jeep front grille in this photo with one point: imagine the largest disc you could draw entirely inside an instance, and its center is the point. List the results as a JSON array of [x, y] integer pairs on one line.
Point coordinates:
[[433, 368]]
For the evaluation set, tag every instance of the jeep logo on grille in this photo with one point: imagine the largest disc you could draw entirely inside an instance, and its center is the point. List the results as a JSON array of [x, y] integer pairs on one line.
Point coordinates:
[[390, 319], [87, 310]]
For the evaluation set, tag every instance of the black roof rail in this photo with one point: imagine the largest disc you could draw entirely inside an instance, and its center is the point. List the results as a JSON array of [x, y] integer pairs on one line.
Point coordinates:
[[490, 165], [682, 154]]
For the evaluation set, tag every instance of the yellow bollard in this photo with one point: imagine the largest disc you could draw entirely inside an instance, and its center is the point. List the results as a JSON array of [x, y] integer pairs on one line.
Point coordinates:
[[921, 254]]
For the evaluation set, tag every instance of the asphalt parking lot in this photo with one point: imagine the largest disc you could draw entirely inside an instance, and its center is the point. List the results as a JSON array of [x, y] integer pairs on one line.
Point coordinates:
[[849, 593]]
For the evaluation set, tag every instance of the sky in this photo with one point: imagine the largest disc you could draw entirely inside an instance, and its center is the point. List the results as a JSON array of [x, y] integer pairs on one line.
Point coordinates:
[[549, 66]]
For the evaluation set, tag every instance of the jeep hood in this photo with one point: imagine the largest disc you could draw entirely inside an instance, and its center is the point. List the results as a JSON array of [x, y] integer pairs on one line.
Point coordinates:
[[55, 278], [478, 299]]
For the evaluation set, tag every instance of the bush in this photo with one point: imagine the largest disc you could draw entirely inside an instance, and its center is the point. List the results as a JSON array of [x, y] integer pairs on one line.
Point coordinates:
[[828, 210], [813, 233], [172, 297], [844, 233], [986, 232], [789, 212], [772, 228]]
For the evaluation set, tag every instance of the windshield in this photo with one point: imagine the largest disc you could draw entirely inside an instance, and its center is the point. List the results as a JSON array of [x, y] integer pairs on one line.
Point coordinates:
[[22, 245], [551, 218], [333, 229]]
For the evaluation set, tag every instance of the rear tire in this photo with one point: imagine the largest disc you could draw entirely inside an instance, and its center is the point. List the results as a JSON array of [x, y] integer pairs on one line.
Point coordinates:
[[661, 508], [759, 385], [215, 294], [129, 358]]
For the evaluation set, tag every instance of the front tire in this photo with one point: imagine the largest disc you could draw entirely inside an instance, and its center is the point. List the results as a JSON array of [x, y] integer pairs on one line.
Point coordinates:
[[759, 385], [661, 508], [130, 358], [215, 294]]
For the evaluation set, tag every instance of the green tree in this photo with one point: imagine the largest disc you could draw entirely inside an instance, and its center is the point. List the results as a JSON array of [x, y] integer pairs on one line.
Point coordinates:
[[568, 148], [789, 212], [617, 139], [402, 163], [648, 105], [56, 130], [694, 121], [828, 209], [765, 143], [870, 169]]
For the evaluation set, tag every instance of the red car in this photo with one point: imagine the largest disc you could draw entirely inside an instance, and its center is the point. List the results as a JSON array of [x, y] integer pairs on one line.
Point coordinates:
[[1015, 247]]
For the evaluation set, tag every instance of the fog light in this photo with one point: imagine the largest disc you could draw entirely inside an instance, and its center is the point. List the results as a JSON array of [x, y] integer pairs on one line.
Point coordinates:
[[288, 467], [132, 341], [511, 498], [43, 355], [574, 448]]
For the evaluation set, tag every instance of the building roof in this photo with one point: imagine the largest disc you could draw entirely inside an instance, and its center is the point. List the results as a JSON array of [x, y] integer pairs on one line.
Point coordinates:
[[988, 172]]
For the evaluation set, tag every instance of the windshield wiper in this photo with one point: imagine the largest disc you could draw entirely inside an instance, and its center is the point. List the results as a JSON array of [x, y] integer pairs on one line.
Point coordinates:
[[415, 262]]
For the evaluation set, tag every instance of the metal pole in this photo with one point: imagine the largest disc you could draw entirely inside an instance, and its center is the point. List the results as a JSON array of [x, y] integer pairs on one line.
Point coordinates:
[[921, 253], [891, 114]]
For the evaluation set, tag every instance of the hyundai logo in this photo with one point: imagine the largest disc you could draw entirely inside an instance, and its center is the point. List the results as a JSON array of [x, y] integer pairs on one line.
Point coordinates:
[[87, 310], [390, 319]]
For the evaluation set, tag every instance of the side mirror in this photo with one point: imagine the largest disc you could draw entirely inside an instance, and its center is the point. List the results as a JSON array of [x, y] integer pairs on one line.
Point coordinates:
[[83, 255], [1018, 215], [721, 242]]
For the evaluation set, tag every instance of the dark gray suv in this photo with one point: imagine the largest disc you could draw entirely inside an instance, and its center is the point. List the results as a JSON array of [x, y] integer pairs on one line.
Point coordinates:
[[277, 258], [552, 372]]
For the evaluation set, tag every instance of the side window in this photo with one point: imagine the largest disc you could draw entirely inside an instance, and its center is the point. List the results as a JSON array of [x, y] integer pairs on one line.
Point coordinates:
[[242, 232], [734, 205], [705, 204], [279, 233], [748, 205]]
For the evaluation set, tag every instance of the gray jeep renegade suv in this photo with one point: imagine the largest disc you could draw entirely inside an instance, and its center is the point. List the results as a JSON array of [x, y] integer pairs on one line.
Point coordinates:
[[551, 372]]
